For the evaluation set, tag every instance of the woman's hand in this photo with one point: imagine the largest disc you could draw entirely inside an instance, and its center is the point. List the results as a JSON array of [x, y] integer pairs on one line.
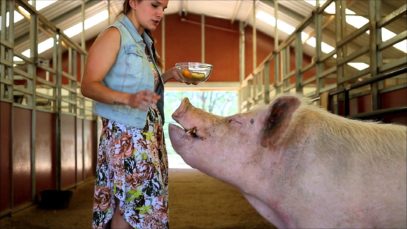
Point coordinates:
[[175, 73], [172, 73], [143, 99]]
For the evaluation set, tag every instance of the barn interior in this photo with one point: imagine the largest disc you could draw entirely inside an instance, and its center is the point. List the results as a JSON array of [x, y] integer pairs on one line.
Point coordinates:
[[347, 56]]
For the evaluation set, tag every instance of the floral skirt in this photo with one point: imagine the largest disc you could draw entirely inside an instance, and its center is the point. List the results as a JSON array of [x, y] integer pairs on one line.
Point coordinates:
[[132, 171]]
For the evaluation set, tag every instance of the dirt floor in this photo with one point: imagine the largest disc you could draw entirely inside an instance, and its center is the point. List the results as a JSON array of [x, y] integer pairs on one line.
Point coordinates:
[[196, 202]]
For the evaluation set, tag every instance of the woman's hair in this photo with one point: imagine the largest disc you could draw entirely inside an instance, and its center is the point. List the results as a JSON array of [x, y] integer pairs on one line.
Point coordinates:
[[126, 9], [156, 58], [126, 6]]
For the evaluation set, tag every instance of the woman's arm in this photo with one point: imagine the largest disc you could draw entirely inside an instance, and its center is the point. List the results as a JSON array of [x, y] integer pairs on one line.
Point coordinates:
[[101, 57]]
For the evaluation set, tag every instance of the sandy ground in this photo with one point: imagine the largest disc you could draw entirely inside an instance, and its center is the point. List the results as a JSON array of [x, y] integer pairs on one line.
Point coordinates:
[[196, 202]]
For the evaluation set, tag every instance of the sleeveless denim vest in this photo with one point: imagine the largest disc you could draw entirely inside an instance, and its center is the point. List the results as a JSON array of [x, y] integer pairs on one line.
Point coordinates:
[[130, 73]]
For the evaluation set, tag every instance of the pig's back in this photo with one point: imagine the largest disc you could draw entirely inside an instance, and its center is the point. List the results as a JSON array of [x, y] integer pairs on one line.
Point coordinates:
[[356, 169]]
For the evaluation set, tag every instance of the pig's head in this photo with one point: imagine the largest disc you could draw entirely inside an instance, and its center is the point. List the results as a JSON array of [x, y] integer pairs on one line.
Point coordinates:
[[227, 147]]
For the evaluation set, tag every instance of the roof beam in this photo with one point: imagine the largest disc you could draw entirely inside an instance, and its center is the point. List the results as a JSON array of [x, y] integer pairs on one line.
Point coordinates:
[[66, 16], [283, 9]]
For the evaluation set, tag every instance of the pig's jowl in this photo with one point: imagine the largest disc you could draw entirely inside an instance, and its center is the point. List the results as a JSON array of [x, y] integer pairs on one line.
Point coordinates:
[[299, 165]]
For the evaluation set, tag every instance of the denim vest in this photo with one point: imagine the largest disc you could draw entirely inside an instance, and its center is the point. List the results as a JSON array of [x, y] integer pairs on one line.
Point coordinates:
[[130, 73]]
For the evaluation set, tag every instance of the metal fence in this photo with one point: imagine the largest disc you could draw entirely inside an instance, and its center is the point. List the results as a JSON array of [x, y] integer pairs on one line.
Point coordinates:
[[302, 64], [40, 67]]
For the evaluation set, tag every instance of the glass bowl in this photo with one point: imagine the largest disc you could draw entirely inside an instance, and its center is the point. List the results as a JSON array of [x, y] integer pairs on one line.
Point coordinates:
[[194, 72]]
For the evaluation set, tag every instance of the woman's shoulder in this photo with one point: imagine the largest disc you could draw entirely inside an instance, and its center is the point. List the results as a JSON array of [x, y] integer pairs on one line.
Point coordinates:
[[111, 34], [109, 39], [113, 31]]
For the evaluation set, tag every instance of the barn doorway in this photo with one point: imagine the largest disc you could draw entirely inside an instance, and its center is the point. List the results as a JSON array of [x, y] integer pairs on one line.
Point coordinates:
[[220, 102]]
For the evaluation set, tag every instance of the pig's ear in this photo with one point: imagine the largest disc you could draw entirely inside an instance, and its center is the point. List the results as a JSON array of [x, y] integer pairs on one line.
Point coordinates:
[[278, 118]]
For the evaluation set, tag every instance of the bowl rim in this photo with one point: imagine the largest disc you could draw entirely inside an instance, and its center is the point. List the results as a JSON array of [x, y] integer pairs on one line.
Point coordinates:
[[193, 63]]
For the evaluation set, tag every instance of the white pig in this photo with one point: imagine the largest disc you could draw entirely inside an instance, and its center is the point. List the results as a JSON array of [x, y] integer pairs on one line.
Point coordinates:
[[300, 166]]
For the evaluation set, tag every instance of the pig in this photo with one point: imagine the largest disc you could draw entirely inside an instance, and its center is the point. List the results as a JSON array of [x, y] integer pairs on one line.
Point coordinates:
[[300, 166]]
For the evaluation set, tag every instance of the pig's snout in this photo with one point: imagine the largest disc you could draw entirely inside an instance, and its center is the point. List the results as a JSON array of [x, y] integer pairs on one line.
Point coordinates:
[[182, 109], [187, 117]]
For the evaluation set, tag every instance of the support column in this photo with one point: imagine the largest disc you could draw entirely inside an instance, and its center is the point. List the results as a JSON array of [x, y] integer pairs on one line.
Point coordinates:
[[375, 54]]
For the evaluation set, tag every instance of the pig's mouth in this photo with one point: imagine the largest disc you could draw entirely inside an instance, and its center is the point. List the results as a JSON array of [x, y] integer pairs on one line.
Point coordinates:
[[186, 132], [192, 132]]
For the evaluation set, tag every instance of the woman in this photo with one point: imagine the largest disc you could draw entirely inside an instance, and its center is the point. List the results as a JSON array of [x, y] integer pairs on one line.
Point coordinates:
[[123, 78]]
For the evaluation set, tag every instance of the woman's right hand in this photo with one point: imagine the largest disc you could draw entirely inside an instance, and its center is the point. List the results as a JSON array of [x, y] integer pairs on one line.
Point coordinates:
[[143, 99]]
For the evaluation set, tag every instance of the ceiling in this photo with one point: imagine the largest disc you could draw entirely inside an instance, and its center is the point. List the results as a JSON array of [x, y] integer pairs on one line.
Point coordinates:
[[64, 14], [293, 12]]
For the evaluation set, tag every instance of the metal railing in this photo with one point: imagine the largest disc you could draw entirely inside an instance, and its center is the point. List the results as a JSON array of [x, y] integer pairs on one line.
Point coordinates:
[[295, 66], [36, 79], [40, 70]]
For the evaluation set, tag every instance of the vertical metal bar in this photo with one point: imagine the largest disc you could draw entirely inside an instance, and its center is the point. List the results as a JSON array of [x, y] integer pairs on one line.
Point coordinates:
[[375, 37], [74, 107], [75, 82], [276, 13], [340, 24], [287, 60], [298, 63], [346, 103], [83, 16], [33, 72], [254, 37], [340, 18], [277, 72], [70, 82], [241, 63], [283, 69], [276, 54], [242, 60], [283, 57], [11, 37], [266, 76], [7, 34], [81, 98], [58, 110], [203, 38], [3, 15], [343, 54], [109, 5], [318, 36], [55, 72]]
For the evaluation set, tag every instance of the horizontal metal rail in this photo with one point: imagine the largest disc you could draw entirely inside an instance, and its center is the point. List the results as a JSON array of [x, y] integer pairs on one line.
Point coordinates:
[[378, 78], [378, 113]]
